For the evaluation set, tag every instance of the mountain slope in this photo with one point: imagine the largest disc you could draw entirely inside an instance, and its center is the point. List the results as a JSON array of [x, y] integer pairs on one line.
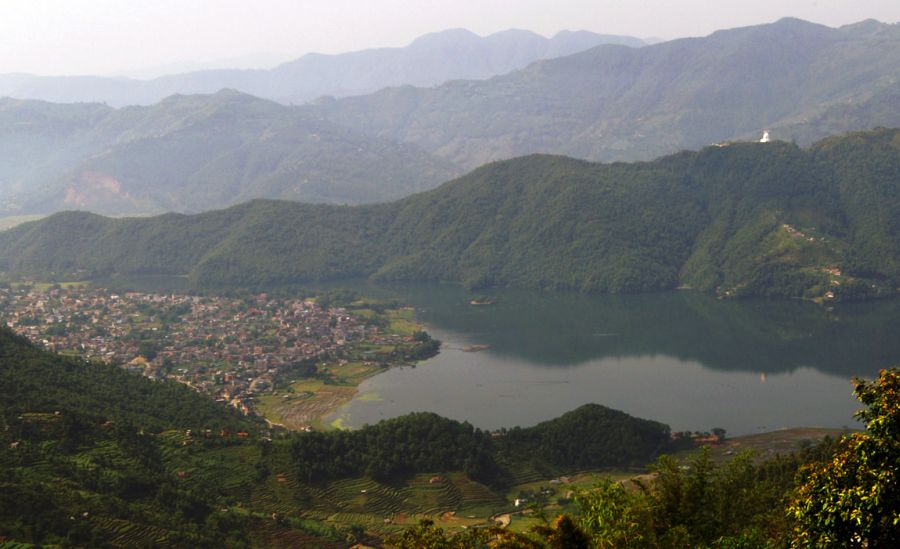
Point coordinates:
[[40, 141], [35, 381], [618, 103], [744, 219], [193, 153], [430, 60]]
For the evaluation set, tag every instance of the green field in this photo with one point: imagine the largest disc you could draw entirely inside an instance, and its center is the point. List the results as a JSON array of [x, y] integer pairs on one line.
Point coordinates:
[[351, 373], [401, 322]]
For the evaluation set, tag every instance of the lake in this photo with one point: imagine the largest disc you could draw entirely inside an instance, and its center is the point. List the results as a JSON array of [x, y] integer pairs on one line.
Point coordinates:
[[683, 358]]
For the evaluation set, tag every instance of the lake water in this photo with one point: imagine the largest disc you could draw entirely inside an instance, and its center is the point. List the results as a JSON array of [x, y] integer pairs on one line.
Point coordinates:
[[682, 358]]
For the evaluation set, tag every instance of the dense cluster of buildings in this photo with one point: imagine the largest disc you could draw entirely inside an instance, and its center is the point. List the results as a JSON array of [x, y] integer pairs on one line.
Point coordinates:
[[229, 348]]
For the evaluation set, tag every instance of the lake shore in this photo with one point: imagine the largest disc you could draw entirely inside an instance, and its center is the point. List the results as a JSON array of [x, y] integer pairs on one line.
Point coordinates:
[[302, 405]]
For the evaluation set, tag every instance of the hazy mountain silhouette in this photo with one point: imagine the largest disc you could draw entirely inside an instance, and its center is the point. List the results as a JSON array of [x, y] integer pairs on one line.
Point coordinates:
[[430, 60], [802, 80], [193, 153]]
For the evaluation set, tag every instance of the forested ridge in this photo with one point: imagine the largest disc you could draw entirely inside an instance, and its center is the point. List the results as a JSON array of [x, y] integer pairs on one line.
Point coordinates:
[[82, 456], [736, 219]]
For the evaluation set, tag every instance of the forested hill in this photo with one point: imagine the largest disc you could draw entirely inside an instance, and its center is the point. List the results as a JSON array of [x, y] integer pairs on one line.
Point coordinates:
[[195, 153], [36, 382], [741, 219], [801, 80]]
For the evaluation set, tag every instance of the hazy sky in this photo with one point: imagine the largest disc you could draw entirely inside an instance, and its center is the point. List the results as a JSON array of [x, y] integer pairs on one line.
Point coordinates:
[[104, 36]]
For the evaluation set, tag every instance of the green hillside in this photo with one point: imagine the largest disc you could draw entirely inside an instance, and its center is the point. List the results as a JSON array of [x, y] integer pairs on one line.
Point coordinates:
[[589, 437], [742, 219], [34, 381]]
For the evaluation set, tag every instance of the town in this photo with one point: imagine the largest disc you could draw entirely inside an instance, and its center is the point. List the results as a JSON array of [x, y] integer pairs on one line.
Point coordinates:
[[231, 348]]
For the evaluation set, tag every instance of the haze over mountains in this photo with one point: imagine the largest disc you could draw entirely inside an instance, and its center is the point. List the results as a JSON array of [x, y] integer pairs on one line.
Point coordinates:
[[221, 212], [800, 80], [431, 59], [194, 153], [618, 103]]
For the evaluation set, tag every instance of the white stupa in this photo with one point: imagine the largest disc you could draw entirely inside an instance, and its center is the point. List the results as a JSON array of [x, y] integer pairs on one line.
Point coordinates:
[[765, 137]]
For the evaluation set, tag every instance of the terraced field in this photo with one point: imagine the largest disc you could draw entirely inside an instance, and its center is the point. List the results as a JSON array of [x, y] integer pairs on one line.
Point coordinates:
[[268, 534], [14, 545], [363, 495], [122, 533], [303, 408], [476, 498], [523, 473], [451, 499]]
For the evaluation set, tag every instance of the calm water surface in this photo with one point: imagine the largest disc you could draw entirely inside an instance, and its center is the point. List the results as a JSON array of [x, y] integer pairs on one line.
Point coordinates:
[[682, 358], [685, 359]]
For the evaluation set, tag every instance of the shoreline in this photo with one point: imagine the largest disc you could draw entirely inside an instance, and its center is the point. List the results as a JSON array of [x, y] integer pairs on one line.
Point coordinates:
[[307, 401]]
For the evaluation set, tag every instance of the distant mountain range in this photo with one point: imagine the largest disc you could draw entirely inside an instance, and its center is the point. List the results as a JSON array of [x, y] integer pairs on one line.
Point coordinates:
[[742, 219], [194, 153], [800, 80], [430, 60], [251, 61]]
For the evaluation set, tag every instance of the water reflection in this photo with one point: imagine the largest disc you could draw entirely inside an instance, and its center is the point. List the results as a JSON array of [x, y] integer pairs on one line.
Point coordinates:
[[683, 358], [762, 336]]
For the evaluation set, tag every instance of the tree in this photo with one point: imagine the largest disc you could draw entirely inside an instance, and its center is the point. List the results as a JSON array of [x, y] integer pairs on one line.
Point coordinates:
[[564, 533], [854, 499], [148, 349], [615, 517], [428, 536]]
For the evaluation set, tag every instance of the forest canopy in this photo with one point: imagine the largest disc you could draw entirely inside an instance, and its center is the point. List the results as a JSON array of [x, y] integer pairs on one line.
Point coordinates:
[[738, 219]]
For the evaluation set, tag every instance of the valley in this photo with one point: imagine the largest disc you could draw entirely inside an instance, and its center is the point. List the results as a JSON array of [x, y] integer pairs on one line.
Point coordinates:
[[514, 287], [302, 478], [197, 460], [268, 414]]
